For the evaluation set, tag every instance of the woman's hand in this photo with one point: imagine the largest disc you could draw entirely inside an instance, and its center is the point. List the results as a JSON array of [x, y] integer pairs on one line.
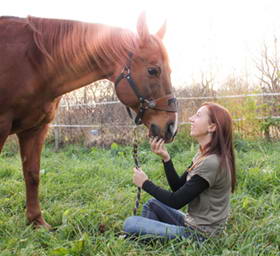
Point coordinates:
[[157, 146], [139, 177]]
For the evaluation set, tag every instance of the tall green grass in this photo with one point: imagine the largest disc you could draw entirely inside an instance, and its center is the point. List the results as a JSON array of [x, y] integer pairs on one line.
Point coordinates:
[[82, 189]]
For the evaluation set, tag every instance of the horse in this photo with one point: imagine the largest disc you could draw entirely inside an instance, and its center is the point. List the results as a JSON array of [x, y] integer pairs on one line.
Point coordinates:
[[42, 59]]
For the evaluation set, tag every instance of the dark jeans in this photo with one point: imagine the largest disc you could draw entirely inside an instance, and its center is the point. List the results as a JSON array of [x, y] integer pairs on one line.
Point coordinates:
[[161, 221]]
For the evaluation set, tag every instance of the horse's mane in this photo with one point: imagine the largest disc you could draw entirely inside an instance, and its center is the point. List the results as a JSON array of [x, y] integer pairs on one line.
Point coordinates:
[[74, 45]]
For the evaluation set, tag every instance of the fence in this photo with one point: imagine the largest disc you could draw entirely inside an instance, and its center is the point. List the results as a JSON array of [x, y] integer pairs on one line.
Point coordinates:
[[102, 123]]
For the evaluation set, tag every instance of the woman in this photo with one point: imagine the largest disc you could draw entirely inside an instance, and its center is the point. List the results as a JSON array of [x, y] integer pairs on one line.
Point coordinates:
[[205, 186]]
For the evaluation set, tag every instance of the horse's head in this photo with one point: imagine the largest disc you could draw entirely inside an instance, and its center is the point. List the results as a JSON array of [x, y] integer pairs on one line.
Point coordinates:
[[144, 85]]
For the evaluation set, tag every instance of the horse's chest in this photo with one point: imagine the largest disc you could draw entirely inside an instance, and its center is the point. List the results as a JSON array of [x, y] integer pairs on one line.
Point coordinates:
[[33, 116]]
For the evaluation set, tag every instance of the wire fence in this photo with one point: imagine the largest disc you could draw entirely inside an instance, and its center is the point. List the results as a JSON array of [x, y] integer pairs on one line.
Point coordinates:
[[103, 122], [178, 98]]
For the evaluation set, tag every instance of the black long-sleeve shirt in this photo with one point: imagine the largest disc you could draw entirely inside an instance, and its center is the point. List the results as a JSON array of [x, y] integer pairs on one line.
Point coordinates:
[[183, 191]]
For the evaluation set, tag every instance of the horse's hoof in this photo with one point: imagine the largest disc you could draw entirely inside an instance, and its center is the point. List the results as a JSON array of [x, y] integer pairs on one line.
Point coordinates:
[[39, 222]]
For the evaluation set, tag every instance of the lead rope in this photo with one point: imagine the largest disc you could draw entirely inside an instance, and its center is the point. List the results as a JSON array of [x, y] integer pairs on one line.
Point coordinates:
[[137, 165]]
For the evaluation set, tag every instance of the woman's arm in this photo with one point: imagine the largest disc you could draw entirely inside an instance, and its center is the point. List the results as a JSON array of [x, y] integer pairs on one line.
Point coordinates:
[[182, 196], [174, 181]]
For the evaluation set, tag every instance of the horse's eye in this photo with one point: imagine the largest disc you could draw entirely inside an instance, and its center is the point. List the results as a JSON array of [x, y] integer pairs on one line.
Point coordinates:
[[154, 71]]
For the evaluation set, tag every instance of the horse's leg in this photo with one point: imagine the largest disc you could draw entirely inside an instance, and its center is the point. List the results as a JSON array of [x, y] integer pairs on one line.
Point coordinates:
[[2, 140], [31, 143], [4, 132]]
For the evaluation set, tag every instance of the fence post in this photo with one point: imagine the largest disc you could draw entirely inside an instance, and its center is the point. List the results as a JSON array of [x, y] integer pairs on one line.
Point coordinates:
[[56, 138]]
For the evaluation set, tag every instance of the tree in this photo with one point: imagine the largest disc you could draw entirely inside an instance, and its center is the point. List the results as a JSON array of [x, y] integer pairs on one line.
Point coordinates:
[[269, 77], [268, 67]]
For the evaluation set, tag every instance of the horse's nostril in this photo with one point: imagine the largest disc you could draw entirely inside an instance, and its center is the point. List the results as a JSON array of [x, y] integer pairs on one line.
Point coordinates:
[[155, 130]]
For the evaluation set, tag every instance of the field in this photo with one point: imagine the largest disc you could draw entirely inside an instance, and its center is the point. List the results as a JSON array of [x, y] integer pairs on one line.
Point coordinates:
[[83, 189]]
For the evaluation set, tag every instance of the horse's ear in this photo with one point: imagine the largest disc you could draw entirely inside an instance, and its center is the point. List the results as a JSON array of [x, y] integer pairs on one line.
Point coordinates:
[[161, 31], [142, 29]]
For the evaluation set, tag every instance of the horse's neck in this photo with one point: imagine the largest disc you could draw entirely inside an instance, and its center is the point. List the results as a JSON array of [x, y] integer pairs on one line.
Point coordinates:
[[76, 83]]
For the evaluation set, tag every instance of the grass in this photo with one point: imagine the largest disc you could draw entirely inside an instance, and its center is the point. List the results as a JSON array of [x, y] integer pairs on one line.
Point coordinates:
[[82, 189]]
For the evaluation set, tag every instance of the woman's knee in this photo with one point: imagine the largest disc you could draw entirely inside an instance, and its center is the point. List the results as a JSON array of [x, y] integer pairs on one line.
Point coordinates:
[[130, 224]]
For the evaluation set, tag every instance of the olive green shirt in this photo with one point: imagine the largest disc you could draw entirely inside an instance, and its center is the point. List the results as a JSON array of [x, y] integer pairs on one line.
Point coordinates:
[[209, 211]]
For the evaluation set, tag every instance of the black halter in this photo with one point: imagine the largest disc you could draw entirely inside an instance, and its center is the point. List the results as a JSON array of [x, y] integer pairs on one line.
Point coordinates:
[[166, 103]]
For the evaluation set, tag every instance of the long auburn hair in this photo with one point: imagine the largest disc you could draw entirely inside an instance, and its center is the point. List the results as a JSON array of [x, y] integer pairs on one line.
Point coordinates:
[[221, 143]]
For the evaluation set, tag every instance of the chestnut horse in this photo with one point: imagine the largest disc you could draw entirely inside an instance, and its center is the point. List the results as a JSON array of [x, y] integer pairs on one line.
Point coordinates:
[[42, 59]]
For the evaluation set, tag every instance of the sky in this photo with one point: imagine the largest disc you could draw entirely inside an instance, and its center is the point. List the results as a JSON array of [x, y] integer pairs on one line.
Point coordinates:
[[217, 38]]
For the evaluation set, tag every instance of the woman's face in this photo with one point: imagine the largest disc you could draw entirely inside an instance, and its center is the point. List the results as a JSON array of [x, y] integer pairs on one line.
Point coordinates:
[[200, 123]]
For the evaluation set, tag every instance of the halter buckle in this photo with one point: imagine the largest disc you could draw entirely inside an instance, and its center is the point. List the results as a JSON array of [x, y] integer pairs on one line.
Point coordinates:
[[125, 71], [151, 103]]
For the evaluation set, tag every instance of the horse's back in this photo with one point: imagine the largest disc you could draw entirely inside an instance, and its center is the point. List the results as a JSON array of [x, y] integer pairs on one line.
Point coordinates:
[[15, 68], [15, 39], [12, 30]]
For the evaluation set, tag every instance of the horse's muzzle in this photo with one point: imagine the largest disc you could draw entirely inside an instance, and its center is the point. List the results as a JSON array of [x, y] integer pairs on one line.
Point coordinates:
[[167, 134]]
